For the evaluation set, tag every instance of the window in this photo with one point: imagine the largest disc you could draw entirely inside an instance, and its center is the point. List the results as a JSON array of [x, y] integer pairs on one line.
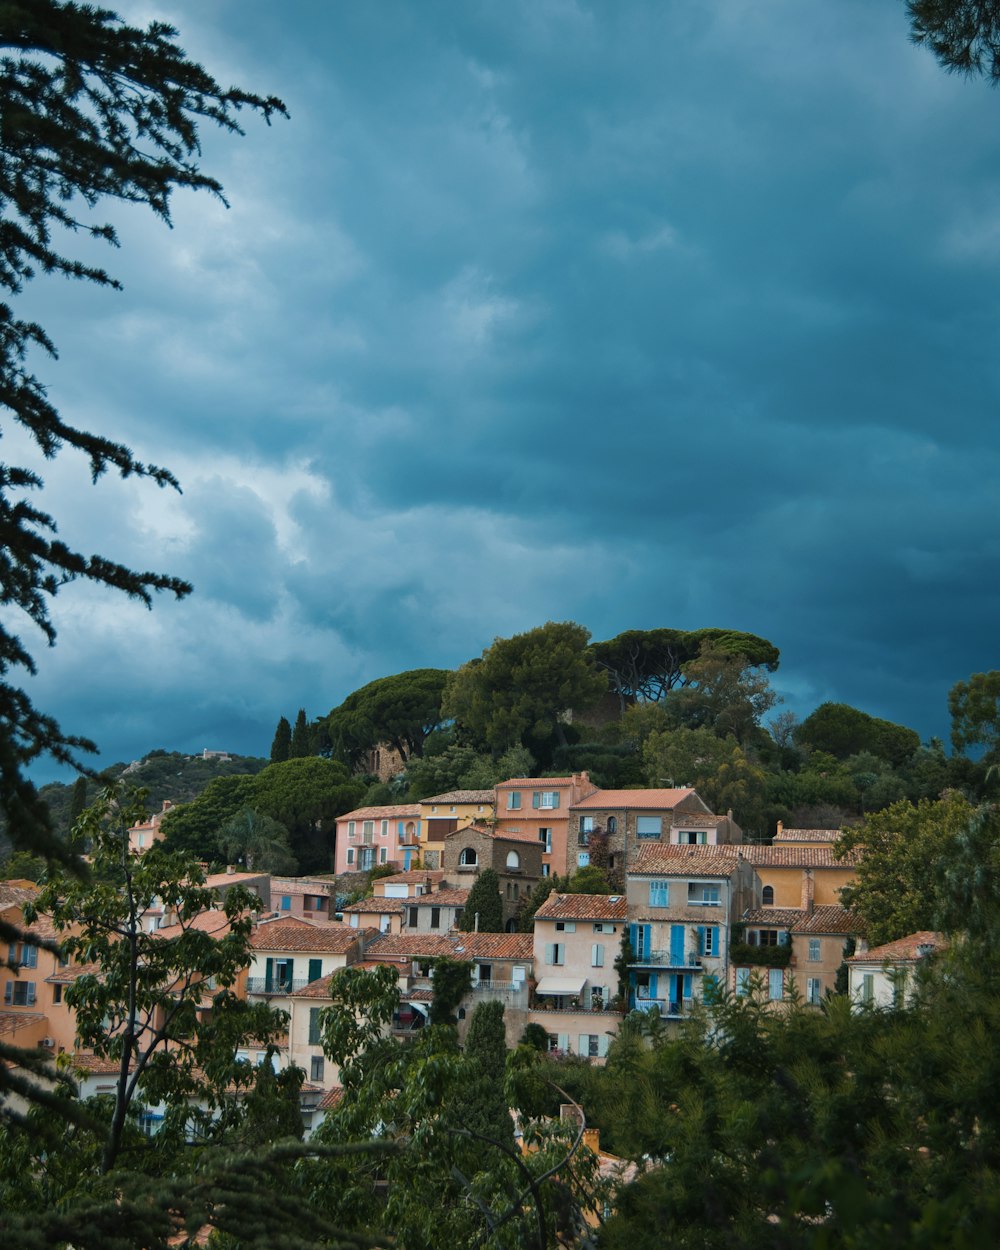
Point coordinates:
[[468, 858], [350, 855], [545, 799], [314, 1035], [286, 902], [19, 994], [597, 955], [708, 940], [589, 1045], [742, 982], [813, 991], [700, 895], [57, 993], [813, 949], [384, 829], [555, 953], [767, 896], [659, 894], [435, 917], [368, 828], [24, 955], [586, 824], [775, 984], [513, 861], [692, 837], [583, 859], [352, 829], [612, 824], [604, 926], [649, 826], [411, 916], [546, 869], [514, 801], [565, 926], [316, 1065], [545, 837]]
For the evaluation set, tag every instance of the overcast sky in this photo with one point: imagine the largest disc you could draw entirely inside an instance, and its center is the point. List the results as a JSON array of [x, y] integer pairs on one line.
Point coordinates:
[[635, 314]]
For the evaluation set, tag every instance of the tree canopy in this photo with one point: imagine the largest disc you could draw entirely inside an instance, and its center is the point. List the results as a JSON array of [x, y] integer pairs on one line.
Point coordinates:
[[91, 110], [964, 35], [975, 714], [518, 692], [842, 730], [484, 906], [401, 710]]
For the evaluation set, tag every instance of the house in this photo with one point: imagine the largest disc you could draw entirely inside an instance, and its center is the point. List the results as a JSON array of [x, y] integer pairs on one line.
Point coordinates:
[[541, 807], [303, 897], [408, 884], [142, 835], [258, 882], [435, 913], [577, 938], [885, 975], [370, 836], [804, 837], [441, 814], [782, 868], [628, 819], [32, 1012], [384, 915], [516, 858], [289, 954], [682, 901]]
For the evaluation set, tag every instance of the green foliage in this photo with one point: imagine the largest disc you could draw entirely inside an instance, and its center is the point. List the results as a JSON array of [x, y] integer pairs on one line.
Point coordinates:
[[742, 954], [520, 688], [452, 980], [975, 714], [193, 828], [540, 891], [589, 880], [92, 110], [611, 766], [20, 866], [306, 796], [485, 904], [964, 35], [717, 768], [446, 770], [401, 710], [480, 1103], [905, 871], [841, 730], [536, 1037], [643, 665], [301, 743], [721, 692], [281, 747], [258, 841]]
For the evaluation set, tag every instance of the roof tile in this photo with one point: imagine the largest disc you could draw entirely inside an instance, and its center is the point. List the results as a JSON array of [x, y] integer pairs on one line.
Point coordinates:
[[583, 907], [292, 934], [646, 799], [903, 950]]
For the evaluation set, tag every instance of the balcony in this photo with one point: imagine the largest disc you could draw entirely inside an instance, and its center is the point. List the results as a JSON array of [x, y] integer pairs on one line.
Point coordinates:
[[667, 1009], [666, 959], [271, 985]]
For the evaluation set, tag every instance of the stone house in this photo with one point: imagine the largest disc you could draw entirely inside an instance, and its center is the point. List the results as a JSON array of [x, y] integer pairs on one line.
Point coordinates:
[[629, 819], [516, 858], [441, 814]]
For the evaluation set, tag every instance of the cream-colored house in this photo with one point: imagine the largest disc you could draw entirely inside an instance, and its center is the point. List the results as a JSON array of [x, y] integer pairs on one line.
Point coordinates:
[[885, 975]]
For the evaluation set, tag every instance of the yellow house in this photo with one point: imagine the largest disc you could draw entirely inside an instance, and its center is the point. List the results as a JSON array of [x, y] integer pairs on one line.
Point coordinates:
[[800, 875], [442, 814]]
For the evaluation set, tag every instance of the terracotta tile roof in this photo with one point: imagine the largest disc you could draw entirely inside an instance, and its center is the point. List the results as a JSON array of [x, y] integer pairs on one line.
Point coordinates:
[[12, 1021], [831, 918], [795, 856], [498, 834], [583, 907], [415, 875], [94, 1065], [685, 861], [443, 898], [772, 917], [659, 800], [479, 797], [540, 783], [219, 879], [16, 895], [903, 950], [394, 811], [43, 929], [296, 885], [212, 921], [376, 905], [320, 988], [455, 946], [416, 996], [807, 835], [293, 934], [698, 820], [66, 976], [332, 1098]]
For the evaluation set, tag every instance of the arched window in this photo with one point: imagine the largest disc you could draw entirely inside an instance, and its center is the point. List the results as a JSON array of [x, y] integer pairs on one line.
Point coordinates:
[[767, 896], [612, 824], [468, 858], [513, 861]]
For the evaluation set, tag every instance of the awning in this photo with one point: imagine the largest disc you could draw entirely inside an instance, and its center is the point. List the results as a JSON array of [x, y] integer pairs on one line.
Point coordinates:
[[560, 986]]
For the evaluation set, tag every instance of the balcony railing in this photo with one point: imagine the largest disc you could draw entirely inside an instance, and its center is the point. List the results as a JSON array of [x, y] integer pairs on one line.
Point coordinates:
[[271, 985], [671, 1010], [667, 959]]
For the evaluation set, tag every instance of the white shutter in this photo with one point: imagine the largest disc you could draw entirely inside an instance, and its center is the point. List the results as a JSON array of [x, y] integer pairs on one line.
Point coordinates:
[[550, 953], [597, 955], [602, 1045]]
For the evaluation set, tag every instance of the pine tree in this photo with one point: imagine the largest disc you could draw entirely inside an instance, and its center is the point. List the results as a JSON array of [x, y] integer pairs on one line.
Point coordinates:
[[281, 747], [484, 902], [481, 1106]]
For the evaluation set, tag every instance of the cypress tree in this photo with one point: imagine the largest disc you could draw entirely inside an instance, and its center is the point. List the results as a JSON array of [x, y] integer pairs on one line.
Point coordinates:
[[301, 738], [481, 1107], [484, 900], [282, 744]]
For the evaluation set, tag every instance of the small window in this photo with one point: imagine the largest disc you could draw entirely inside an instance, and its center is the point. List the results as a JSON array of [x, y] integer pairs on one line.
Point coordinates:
[[742, 982], [513, 861], [767, 896], [314, 1033], [316, 1066], [57, 993], [565, 926], [814, 949], [468, 858], [597, 955], [435, 917], [546, 799], [659, 894], [384, 829], [413, 913], [368, 828], [775, 984], [352, 829], [612, 824], [813, 991], [586, 824], [350, 855], [286, 902], [514, 801], [648, 826], [383, 854], [583, 859], [545, 837]]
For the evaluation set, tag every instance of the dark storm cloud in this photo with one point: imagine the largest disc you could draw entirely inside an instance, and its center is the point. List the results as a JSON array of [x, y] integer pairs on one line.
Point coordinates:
[[636, 315]]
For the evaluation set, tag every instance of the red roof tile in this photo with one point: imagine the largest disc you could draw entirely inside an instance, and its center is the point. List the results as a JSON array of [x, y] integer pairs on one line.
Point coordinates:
[[455, 946], [583, 907], [646, 799], [394, 811], [772, 917], [540, 783], [293, 934], [376, 906], [807, 835], [663, 860], [831, 918], [415, 875], [479, 797], [903, 950]]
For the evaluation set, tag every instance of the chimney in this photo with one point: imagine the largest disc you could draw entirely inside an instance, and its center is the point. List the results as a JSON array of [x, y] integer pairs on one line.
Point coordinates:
[[781, 825], [230, 869], [808, 892]]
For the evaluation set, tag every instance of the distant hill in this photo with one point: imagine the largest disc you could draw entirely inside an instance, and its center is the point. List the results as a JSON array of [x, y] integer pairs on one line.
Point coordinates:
[[165, 774]]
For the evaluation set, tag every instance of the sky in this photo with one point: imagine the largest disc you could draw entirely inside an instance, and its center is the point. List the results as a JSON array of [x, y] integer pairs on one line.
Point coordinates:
[[647, 314]]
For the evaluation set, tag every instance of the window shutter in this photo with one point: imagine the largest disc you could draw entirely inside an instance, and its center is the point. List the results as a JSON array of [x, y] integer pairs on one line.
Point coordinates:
[[701, 939], [597, 955], [536, 799], [31, 993], [563, 1042], [315, 969], [583, 1047], [314, 1026], [550, 953], [8, 992]]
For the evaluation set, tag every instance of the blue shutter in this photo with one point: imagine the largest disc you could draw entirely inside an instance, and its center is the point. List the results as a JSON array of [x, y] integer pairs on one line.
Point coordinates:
[[536, 799], [677, 945], [315, 969], [687, 985], [652, 987], [268, 976]]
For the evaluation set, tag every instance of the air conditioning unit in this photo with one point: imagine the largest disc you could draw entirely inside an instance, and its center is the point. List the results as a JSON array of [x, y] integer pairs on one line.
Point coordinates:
[[47, 1042]]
